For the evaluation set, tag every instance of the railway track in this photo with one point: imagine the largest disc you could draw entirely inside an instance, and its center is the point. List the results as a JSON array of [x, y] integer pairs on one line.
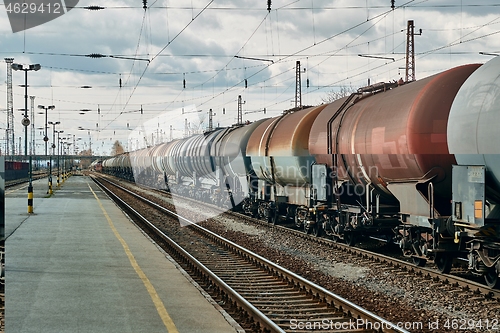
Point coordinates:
[[265, 296], [36, 176], [461, 284], [476, 289]]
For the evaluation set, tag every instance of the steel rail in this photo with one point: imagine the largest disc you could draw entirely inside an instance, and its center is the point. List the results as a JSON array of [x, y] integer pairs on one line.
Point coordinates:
[[429, 273], [450, 279], [249, 308], [467, 285]]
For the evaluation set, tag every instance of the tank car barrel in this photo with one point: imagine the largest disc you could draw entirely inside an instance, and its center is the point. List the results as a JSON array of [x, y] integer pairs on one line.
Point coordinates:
[[392, 160]]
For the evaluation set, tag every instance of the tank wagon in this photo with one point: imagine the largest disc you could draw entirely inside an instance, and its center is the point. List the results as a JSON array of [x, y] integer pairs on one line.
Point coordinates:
[[96, 166], [119, 166], [417, 164]]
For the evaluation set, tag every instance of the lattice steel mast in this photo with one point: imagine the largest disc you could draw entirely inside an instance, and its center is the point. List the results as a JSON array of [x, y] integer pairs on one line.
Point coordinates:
[[240, 110], [298, 90], [32, 109], [10, 109], [410, 51]]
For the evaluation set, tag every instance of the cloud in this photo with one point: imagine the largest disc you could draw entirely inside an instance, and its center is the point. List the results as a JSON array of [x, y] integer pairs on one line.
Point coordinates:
[[199, 45]]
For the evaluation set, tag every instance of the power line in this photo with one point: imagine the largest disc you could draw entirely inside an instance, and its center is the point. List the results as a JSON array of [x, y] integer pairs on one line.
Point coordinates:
[[161, 51]]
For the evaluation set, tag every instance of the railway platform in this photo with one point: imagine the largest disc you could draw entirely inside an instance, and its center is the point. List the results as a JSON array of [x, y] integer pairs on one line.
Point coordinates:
[[78, 264]]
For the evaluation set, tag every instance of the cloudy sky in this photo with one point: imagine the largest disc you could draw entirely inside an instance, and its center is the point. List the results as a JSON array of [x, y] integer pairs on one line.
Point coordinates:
[[199, 55]]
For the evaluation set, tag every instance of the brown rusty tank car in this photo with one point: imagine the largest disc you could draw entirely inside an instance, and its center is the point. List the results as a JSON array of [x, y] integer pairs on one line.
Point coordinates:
[[393, 139], [281, 144]]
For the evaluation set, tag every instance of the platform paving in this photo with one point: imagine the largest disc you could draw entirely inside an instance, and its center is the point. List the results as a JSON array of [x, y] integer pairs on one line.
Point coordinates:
[[77, 264]]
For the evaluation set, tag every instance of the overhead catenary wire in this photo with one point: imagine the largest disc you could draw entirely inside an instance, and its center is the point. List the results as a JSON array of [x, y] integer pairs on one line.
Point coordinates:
[[380, 16], [280, 59], [159, 52]]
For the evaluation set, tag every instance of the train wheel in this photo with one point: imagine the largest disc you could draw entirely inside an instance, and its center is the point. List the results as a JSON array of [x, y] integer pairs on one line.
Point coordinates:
[[350, 238], [248, 208], [335, 229], [297, 222], [443, 262], [316, 229], [491, 278], [272, 216], [265, 215], [262, 211], [420, 262], [307, 227]]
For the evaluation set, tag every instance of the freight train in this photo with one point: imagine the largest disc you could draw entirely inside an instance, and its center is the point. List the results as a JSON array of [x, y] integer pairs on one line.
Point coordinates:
[[415, 163], [16, 170]]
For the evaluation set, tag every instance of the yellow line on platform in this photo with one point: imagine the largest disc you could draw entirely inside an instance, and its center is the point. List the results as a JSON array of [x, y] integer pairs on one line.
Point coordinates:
[[160, 307], [17, 189]]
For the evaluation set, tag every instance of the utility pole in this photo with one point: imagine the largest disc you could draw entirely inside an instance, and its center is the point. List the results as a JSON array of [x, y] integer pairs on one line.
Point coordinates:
[[410, 51], [298, 91], [10, 109], [210, 120], [240, 110]]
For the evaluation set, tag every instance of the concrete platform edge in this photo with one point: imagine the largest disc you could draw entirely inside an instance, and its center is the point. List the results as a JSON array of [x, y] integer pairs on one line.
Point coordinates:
[[207, 296]]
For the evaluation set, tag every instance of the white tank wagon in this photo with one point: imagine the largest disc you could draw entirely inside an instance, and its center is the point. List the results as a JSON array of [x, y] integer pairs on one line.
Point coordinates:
[[474, 139]]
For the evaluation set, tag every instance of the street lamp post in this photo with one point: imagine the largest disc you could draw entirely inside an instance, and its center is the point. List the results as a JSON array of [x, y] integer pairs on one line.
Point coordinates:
[[64, 152], [46, 140], [53, 148], [58, 157], [26, 122]]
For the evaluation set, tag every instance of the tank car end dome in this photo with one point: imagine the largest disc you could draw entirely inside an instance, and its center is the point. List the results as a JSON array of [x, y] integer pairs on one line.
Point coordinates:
[[473, 125]]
